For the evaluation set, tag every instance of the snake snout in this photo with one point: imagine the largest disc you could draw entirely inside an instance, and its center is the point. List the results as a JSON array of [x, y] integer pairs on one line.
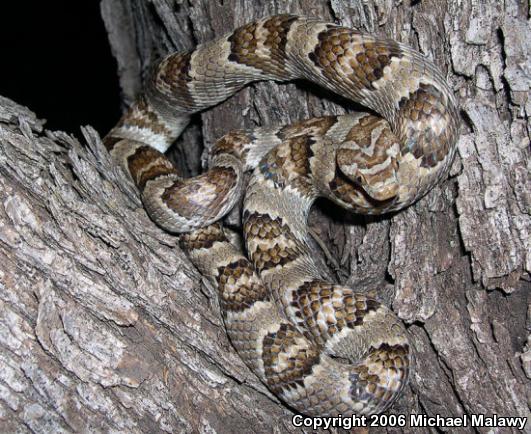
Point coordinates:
[[377, 178]]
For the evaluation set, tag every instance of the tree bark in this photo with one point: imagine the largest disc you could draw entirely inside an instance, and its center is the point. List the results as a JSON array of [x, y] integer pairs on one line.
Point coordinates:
[[106, 326]]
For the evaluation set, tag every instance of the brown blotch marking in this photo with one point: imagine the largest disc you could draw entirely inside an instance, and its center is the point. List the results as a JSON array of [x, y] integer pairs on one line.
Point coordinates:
[[296, 159], [147, 164], [245, 42], [203, 238], [173, 74], [315, 297], [233, 143], [361, 132], [425, 107], [141, 115], [262, 227], [365, 62], [368, 379], [289, 163], [109, 141], [239, 286], [298, 365], [311, 127], [277, 38], [201, 196]]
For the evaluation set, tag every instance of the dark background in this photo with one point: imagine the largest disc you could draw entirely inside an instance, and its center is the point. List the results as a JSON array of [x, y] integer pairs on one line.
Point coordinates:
[[56, 60]]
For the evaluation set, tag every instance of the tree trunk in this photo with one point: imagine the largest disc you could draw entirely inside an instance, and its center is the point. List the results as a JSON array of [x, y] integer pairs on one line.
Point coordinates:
[[106, 326]]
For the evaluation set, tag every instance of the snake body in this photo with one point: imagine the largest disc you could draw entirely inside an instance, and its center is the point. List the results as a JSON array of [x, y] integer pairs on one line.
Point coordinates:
[[322, 348]]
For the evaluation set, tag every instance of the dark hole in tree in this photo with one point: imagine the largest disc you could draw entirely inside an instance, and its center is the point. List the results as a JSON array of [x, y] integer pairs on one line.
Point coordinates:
[[57, 61]]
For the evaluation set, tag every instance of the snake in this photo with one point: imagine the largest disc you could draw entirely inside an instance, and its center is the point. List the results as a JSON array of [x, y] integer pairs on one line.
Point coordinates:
[[322, 348]]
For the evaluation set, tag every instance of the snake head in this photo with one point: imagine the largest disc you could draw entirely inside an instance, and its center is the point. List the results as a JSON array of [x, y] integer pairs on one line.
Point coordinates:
[[374, 170]]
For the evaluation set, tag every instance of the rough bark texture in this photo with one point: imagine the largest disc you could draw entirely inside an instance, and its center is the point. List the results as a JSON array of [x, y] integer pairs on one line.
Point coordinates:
[[106, 326]]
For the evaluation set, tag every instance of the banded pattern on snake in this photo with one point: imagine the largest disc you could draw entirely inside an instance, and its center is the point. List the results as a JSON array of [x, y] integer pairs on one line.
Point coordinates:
[[322, 348]]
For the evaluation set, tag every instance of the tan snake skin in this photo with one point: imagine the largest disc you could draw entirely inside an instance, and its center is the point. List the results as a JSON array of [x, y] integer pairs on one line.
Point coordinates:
[[320, 347]]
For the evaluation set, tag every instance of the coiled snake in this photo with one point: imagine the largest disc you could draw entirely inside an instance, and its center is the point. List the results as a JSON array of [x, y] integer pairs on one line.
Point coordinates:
[[322, 348]]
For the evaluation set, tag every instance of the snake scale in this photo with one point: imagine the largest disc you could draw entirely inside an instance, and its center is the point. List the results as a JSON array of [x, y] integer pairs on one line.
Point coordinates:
[[322, 348]]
